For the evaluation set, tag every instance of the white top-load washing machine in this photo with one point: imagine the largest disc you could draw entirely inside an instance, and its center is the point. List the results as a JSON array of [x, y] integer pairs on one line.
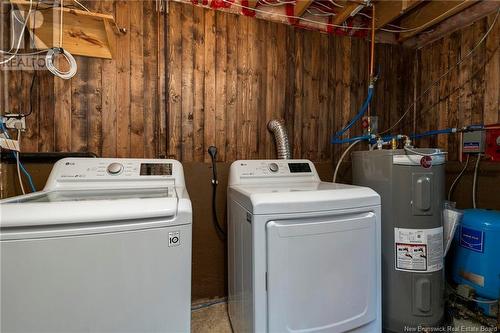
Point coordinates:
[[105, 247], [304, 255]]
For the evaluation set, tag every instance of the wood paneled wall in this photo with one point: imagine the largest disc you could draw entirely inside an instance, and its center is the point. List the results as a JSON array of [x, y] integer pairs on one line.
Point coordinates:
[[111, 107], [228, 75], [470, 94]]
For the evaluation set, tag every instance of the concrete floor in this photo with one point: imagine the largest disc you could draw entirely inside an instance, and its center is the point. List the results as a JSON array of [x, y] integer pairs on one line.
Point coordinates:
[[214, 319], [211, 319]]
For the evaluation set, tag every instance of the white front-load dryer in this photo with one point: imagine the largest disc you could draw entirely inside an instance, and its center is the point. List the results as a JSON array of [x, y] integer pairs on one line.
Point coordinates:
[[304, 255], [105, 247]]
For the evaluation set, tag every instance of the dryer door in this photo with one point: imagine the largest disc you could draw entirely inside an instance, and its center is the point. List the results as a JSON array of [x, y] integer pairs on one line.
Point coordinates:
[[321, 273]]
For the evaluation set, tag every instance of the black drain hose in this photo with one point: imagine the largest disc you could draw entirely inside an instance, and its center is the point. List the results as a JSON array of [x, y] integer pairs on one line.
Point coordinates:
[[212, 151]]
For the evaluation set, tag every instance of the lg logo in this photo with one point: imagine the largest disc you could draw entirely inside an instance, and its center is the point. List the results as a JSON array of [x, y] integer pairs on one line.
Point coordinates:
[[174, 238]]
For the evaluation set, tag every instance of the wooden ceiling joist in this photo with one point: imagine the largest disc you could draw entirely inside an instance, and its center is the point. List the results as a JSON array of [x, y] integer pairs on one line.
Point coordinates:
[[432, 13], [388, 11], [252, 3], [466, 17], [346, 12], [301, 6]]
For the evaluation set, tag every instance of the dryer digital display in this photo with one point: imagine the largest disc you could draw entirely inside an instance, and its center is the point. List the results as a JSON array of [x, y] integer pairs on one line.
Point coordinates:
[[156, 169]]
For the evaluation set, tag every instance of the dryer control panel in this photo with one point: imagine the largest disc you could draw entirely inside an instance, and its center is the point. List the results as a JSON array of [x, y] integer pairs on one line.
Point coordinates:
[[248, 171]]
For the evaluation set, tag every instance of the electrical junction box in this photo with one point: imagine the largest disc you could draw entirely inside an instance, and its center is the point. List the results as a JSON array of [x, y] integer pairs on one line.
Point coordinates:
[[473, 142], [493, 144]]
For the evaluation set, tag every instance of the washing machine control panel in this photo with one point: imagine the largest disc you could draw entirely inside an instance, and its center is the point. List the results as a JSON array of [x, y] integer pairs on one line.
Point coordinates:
[[115, 169], [274, 167]]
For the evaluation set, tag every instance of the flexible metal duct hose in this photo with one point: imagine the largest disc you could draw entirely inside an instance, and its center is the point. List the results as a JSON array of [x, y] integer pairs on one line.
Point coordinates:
[[277, 127]]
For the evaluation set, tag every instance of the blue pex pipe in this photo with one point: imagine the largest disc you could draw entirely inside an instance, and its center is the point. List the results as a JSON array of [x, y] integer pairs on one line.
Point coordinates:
[[21, 166], [349, 140], [390, 137], [431, 133], [336, 138]]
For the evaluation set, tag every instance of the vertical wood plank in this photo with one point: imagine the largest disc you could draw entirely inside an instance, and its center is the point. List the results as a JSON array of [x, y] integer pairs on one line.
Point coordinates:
[[323, 92], [174, 84], [249, 120], [210, 91], [151, 78], [109, 97], [220, 84], [332, 61], [187, 83], [231, 88], [94, 96], [198, 83], [62, 114], [136, 80], [477, 81], [454, 95], [442, 107], [290, 86], [308, 95], [46, 110], [162, 73], [299, 94], [271, 48], [123, 81], [465, 110], [243, 87], [261, 131], [346, 84], [492, 75], [80, 106]]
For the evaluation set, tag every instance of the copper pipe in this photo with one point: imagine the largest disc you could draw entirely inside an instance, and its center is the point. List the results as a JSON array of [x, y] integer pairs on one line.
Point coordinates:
[[372, 55], [372, 58]]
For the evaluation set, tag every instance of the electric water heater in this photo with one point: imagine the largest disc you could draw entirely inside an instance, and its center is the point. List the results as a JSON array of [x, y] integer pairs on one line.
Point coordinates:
[[411, 187]]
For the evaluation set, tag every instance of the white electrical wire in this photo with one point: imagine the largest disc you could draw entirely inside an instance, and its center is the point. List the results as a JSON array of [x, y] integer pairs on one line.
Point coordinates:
[[12, 48], [49, 58], [458, 177], [81, 5], [316, 4], [408, 149], [342, 158], [323, 23], [49, 63], [474, 182], [18, 163], [412, 105], [18, 45], [321, 12], [275, 4], [336, 4]]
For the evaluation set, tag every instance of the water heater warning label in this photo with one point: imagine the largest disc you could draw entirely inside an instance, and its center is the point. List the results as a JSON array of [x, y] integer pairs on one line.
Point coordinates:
[[418, 250]]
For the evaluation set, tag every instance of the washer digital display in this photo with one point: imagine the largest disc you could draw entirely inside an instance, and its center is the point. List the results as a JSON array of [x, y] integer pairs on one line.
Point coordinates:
[[299, 167], [156, 169]]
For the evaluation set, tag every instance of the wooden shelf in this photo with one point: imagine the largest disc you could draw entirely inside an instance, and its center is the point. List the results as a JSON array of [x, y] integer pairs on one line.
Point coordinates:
[[84, 33]]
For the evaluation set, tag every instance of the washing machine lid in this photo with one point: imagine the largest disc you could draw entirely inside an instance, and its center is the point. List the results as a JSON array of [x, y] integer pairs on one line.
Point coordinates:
[[84, 206], [302, 197]]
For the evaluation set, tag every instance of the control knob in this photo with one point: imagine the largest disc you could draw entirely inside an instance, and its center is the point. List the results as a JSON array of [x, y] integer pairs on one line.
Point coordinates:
[[273, 167], [115, 168]]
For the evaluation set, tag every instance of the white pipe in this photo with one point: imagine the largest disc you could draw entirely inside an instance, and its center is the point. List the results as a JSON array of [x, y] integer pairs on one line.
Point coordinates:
[[342, 157], [474, 182]]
